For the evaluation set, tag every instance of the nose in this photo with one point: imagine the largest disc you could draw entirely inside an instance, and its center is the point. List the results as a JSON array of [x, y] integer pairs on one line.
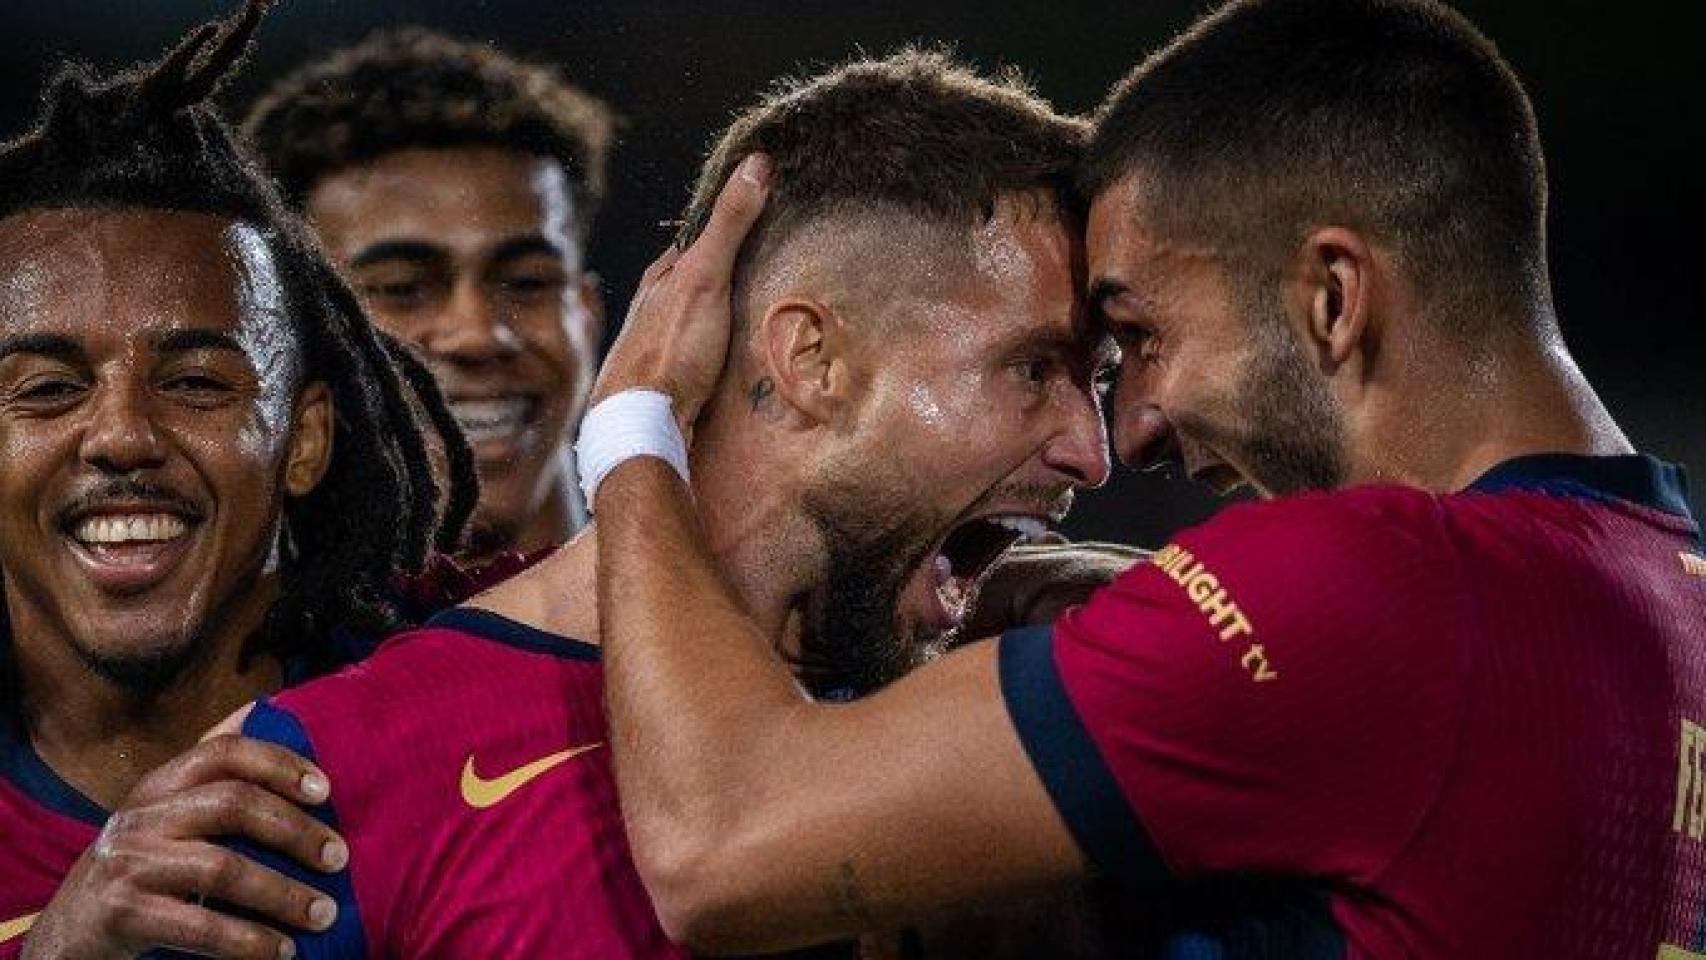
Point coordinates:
[[1080, 448], [1143, 435], [473, 328], [121, 436]]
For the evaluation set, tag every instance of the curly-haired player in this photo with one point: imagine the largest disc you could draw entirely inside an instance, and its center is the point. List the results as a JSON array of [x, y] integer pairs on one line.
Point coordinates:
[[455, 186]]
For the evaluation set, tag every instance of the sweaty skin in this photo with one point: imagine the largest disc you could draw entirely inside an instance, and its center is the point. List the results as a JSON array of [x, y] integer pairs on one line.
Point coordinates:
[[690, 804]]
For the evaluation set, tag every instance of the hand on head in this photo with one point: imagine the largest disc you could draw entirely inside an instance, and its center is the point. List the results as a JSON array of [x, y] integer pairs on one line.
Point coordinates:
[[676, 336]]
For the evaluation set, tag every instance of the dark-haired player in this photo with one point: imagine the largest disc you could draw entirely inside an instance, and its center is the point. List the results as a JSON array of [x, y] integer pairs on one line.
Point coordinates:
[[910, 399], [208, 461], [1440, 696], [455, 186]]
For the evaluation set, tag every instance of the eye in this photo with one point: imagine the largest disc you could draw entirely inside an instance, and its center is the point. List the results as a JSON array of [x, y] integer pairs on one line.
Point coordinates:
[[1033, 372], [47, 391], [1137, 342], [395, 291], [1107, 374], [529, 286], [197, 389]]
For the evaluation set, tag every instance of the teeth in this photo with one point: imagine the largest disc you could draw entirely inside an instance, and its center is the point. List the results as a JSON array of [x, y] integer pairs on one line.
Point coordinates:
[[1028, 528], [490, 419], [140, 528], [955, 595]]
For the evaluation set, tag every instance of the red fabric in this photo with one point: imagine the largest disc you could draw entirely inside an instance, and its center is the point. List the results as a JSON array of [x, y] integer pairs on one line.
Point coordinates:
[[544, 872], [1461, 715]]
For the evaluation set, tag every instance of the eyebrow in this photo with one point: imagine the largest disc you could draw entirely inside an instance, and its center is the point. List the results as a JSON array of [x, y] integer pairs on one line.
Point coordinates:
[[52, 345], [411, 251], [531, 245], [183, 341]]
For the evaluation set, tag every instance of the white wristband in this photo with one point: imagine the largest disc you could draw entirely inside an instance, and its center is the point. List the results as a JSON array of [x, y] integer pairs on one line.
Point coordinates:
[[633, 423]]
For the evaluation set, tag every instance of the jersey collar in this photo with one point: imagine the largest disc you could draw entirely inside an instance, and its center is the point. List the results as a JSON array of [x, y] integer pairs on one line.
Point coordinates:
[[1632, 478]]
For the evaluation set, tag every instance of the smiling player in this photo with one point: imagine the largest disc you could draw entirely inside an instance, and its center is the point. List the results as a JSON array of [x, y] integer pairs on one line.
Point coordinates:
[[915, 392], [209, 461], [455, 187]]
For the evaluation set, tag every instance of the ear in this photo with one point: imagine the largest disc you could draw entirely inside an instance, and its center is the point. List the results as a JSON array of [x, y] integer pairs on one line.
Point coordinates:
[[1337, 268], [590, 293], [310, 452], [802, 345]]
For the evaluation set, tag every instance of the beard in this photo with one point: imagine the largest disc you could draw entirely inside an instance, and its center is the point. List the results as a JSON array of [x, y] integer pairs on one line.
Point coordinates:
[[147, 673], [1291, 433], [851, 641]]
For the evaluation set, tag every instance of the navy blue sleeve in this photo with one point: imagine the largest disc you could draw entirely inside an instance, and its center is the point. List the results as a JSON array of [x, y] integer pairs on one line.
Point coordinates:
[[346, 939], [1073, 771]]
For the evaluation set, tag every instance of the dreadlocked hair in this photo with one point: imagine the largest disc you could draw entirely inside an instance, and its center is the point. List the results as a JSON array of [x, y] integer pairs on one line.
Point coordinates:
[[149, 138]]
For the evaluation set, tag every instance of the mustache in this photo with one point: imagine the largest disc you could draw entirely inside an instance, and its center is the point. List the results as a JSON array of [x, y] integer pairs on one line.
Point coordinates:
[[124, 489], [1052, 500]]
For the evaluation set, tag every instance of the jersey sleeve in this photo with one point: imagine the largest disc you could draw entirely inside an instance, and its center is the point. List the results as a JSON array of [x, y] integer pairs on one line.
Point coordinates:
[[345, 939], [1275, 692]]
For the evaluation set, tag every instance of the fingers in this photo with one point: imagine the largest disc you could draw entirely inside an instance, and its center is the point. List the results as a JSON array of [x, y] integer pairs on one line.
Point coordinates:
[[230, 757], [202, 873], [232, 808], [737, 208], [173, 923]]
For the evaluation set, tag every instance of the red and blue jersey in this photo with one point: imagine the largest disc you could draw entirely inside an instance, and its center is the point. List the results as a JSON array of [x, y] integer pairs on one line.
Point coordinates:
[[45, 824], [1414, 725], [470, 771]]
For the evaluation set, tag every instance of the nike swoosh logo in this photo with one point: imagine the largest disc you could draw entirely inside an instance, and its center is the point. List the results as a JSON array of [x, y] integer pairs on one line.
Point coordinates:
[[10, 929], [481, 793]]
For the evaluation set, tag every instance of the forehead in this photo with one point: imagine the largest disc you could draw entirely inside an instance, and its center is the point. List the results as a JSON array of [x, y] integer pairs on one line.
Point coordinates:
[[88, 274], [1025, 277], [1123, 250], [464, 199]]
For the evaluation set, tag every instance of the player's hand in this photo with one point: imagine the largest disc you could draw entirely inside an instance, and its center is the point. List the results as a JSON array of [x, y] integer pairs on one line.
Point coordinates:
[[677, 333], [1034, 584], [144, 881]]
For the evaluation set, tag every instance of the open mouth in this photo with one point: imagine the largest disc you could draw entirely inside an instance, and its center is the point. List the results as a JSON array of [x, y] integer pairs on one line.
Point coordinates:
[[494, 420], [129, 548], [967, 554]]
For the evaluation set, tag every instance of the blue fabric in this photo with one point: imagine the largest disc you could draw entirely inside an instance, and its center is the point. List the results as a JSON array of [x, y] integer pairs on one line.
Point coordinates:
[[1636, 478], [346, 938], [501, 629], [25, 768], [1078, 780]]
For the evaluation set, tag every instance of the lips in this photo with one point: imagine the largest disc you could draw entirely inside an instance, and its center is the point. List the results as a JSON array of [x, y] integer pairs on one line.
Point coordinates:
[[129, 547], [494, 420]]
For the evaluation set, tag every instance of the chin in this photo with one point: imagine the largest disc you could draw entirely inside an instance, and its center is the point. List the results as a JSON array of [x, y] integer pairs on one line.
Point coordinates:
[[147, 667]]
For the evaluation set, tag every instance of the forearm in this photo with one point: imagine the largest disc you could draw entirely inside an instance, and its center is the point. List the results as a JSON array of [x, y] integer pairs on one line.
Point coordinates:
[[696, 692]]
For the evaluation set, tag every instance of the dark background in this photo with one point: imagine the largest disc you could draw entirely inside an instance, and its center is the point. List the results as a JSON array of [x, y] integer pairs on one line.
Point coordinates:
[[1615, 86]]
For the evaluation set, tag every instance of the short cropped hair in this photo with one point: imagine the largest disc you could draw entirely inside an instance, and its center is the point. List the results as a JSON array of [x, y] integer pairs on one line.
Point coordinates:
[[409, 87], [915, 133], [1268, 118]]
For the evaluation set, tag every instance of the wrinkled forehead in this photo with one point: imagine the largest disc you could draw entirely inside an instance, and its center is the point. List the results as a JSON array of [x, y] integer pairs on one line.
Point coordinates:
[[105, 274]]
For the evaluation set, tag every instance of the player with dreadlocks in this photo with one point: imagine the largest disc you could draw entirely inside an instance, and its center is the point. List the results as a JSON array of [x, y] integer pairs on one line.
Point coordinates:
[[209, 463]]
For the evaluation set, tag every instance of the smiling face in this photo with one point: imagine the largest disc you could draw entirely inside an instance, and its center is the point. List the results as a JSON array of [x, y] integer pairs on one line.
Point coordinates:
[[471, 256], [152, 418], [979, 415], [1212, 373]]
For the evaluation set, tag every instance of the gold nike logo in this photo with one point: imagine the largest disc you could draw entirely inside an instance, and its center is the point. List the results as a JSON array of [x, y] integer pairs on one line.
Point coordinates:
[[10, 929], [481, 793]]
